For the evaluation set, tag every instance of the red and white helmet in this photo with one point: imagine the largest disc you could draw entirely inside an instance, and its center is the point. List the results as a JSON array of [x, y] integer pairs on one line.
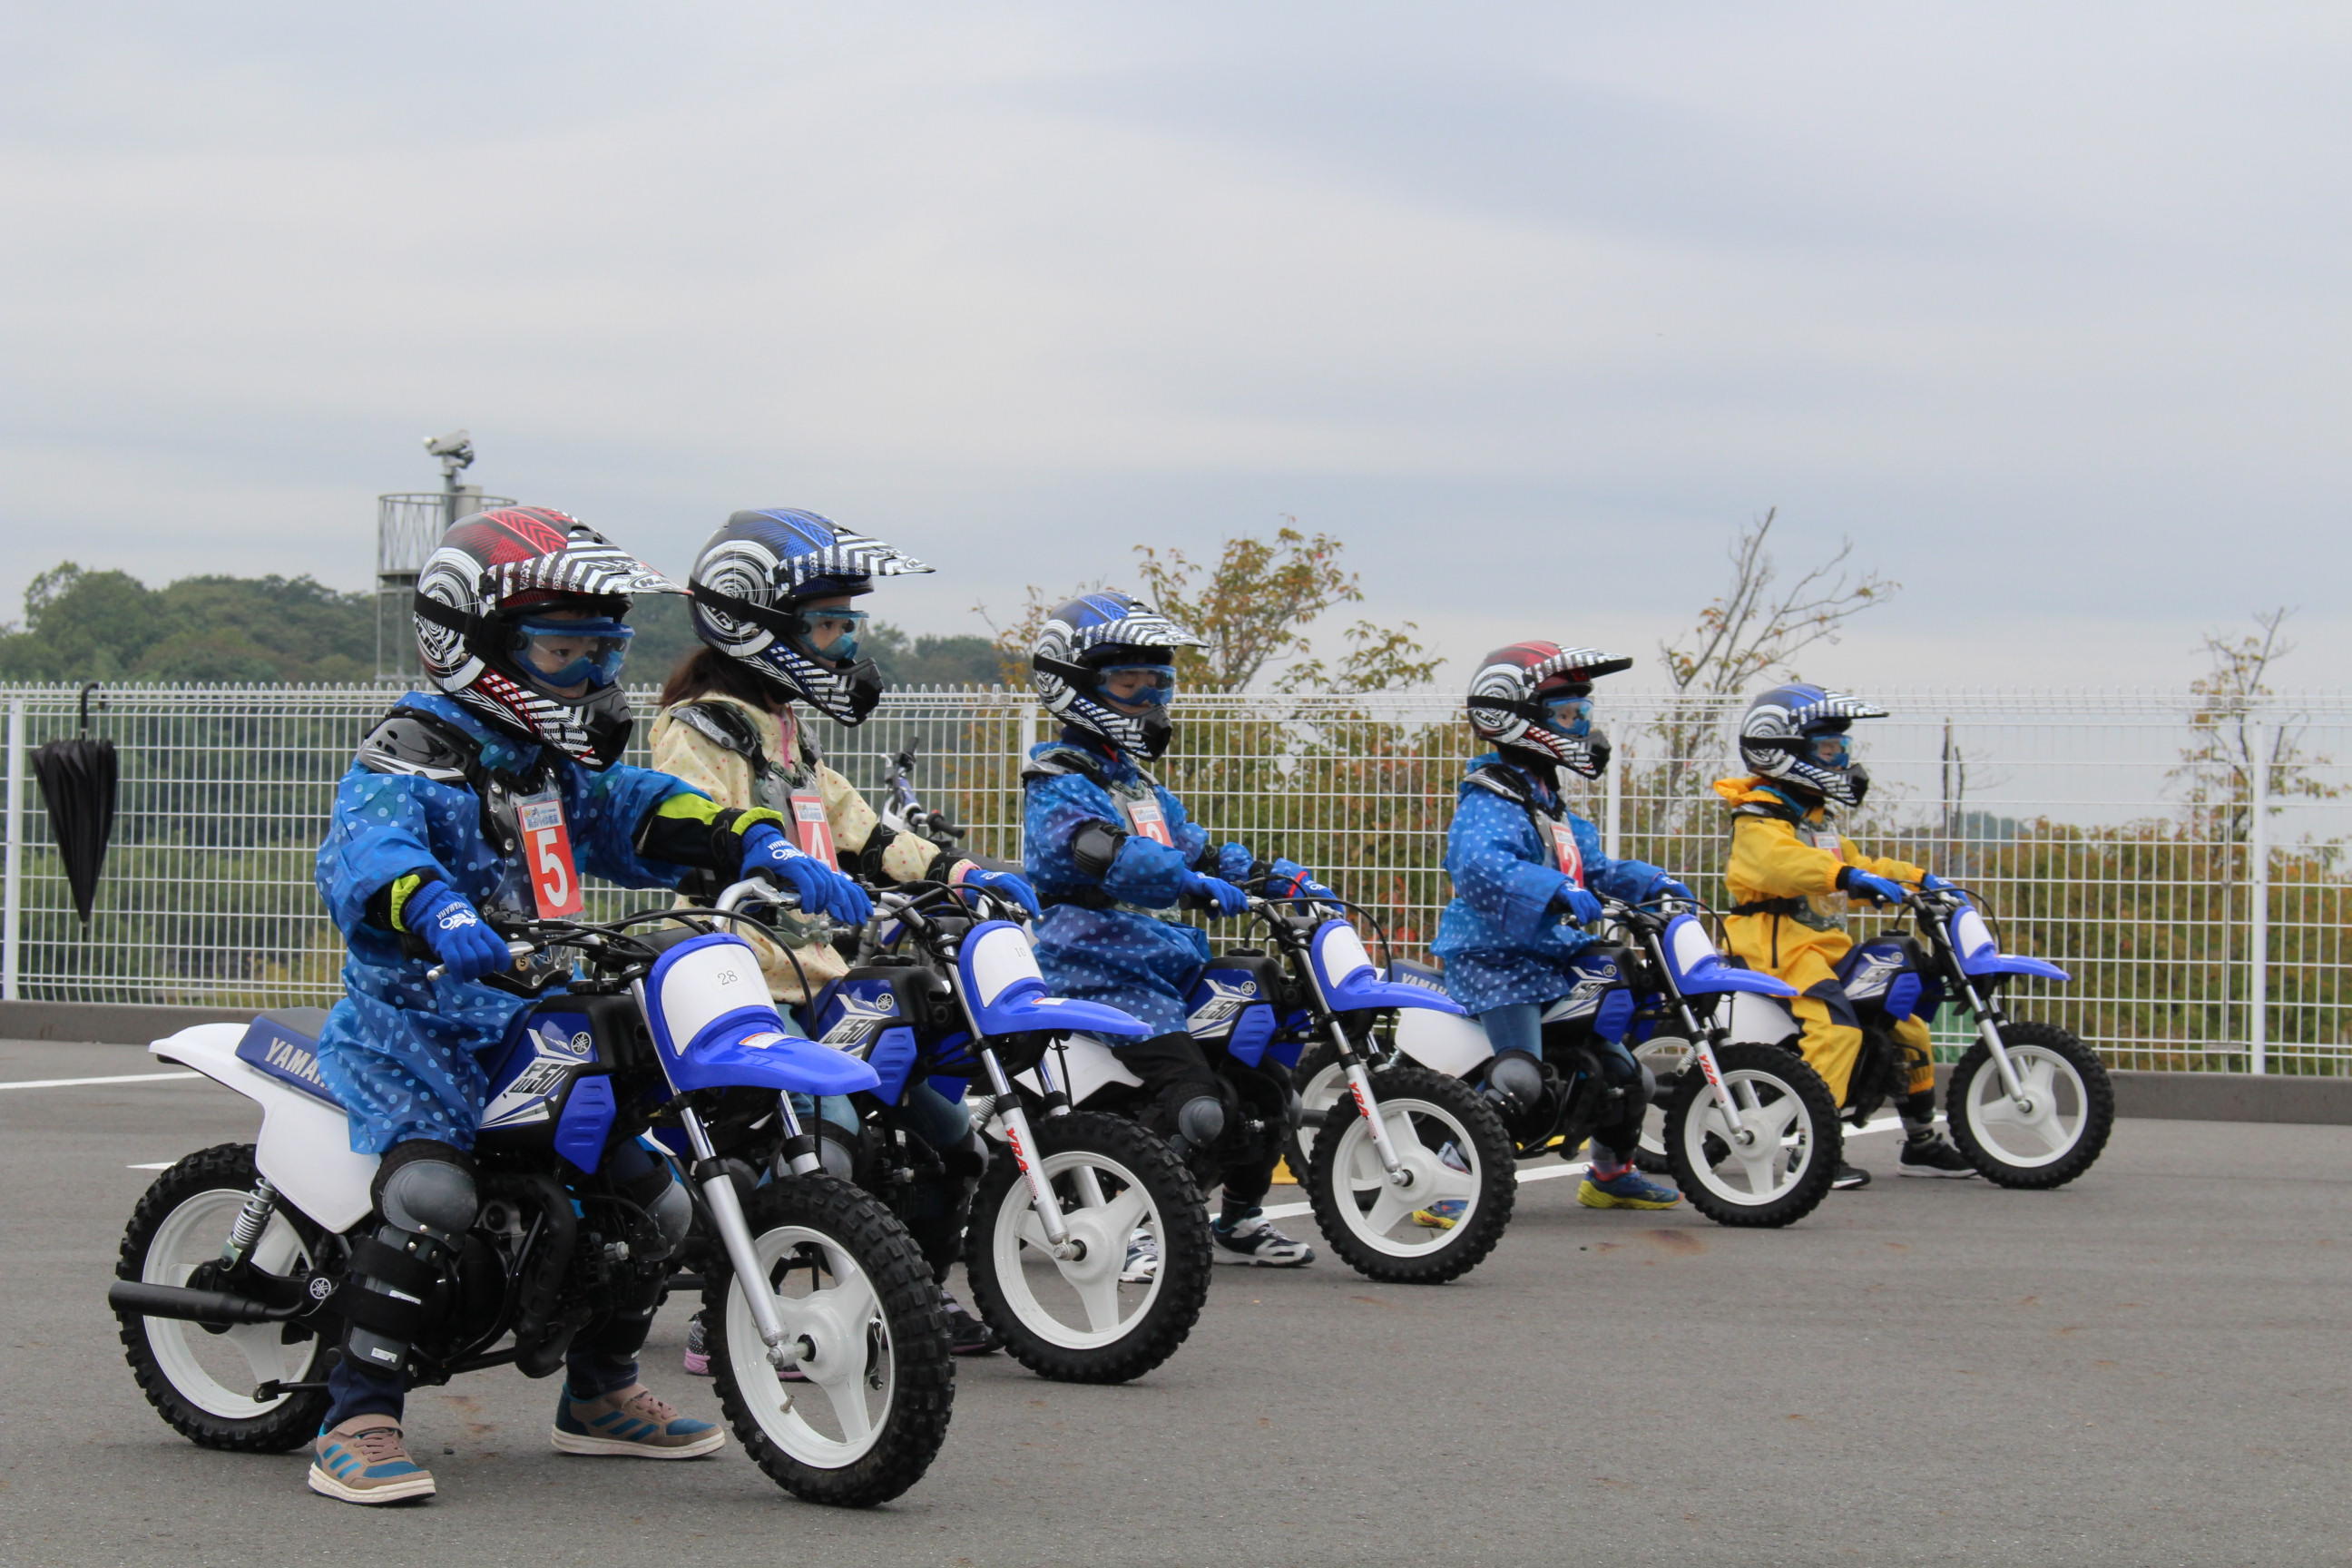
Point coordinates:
[[493, 573], [1537, 697]]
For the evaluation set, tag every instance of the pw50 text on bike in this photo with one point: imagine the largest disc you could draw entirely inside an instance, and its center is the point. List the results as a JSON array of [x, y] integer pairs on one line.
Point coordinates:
[[234, 1262]]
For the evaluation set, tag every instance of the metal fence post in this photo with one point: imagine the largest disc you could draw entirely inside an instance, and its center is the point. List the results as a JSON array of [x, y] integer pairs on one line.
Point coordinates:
[[2258, 891], [12, 914], [1028, 738], [1613, 807]]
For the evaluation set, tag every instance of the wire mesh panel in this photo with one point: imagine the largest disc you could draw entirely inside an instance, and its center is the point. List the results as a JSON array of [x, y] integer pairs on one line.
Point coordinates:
[[2201, 901]]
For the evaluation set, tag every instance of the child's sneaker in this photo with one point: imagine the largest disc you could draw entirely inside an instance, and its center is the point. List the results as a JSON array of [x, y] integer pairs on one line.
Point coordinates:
[[1628, 1189], [1930, 1153], [967, 1335], [698, 1347], [1445, 1212], [1848, 1178], [363, 1460], [1250, 1239], [632, 1421], [1142, 1259]]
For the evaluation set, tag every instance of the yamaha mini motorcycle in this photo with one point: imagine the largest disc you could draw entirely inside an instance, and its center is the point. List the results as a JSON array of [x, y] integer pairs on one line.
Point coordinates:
[[2029, 1103], [1392, 1140], [947, 991], [1748, 1131], [231, 1272]]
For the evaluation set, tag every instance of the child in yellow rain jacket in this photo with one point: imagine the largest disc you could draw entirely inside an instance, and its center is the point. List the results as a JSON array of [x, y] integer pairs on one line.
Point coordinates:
[[1791, 878], [772, 602]]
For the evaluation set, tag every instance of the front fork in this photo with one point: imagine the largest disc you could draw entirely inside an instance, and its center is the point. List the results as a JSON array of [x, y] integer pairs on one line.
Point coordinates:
[[1041, 1187], [1359, 1084], [718, 1189], [1703, 1050], [1987, 1019]]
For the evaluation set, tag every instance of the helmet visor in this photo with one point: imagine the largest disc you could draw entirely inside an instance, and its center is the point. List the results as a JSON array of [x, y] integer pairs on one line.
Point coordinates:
[[1828, 751], [1136, 685], [570, 656], [1569, 716], [828, 634]]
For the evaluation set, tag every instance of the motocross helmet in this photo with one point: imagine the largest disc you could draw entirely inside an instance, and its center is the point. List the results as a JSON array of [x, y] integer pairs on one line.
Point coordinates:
[[1537, 697], [752, 584], [518, 616], [1796, 736], [1091, 639]]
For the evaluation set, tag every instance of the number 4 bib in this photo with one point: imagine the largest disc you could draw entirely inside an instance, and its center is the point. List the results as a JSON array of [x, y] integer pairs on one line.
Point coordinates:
[[547, 856]]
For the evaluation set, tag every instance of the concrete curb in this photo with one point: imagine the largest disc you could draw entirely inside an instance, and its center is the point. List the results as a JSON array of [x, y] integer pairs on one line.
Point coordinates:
[[2166, 1096]]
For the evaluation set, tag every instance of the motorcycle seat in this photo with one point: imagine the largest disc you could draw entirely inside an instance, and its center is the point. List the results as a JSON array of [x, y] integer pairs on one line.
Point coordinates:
[[284, 1044]]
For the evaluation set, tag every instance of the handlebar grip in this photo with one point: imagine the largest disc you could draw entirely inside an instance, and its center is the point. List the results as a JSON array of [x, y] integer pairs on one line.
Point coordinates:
[[517, 949]]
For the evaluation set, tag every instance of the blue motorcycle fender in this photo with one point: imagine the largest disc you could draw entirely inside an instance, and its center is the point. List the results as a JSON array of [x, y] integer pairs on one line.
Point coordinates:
[[2012, 963], [1350, 983], [998, 970], [716, 1028]]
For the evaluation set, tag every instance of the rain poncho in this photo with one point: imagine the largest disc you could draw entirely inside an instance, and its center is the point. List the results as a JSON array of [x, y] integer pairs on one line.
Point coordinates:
[[1503, 940], [1100, 940], [407, 1056]]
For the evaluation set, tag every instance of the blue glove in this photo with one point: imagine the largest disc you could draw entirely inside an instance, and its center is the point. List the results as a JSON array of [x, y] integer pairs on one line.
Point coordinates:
[[466, 947], [1877, 889], [1290, 880], [1229, 900], [1931, 883], [1670, 888], [1011, 884], [768, 853], [1582, 906]]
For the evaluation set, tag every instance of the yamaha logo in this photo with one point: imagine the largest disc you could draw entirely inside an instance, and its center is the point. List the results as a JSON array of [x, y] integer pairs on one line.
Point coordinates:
[[321, 1286]]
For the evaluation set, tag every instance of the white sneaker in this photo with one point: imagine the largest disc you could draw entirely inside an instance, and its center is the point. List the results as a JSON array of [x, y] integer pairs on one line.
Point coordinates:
[[1142, 1263], [1253, 1240]]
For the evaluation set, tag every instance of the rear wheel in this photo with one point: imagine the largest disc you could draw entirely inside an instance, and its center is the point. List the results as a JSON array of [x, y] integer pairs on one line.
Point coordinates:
[[1453, 1151], [1778, 1164], [1322, 1085], [1075, 1319], [862, 1320], [2060, 1129], [206, 1381]]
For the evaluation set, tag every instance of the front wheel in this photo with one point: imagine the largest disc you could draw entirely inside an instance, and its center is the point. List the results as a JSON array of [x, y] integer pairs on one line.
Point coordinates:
[[2057, 1133], [207, 1383], [1776, 1165], [1085, 1316], [1459, 1180], [862, 1321]]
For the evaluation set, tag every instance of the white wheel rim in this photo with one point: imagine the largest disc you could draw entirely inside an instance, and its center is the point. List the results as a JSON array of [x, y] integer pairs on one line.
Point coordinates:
[[1774, 1156], [1078, 1303], [1325, 1090], [1664, 1057], [195, 1359], [2043, 1135], [839, 1414], [1378, 1212]]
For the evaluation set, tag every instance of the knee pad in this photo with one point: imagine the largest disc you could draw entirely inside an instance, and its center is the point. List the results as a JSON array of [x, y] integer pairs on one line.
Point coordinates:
[[1201, 1121], [673, 1212], [427, 1189], [966, 1161], [1515, 1076]]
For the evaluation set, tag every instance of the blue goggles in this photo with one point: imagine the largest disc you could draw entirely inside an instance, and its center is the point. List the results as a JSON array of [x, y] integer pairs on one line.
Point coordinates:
[[561, 654], [1570, 716], [1828, 751], [1156, 690], [829, 635]]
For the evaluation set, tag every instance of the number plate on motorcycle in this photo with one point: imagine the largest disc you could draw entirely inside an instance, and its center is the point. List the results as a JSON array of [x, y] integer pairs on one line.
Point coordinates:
[[547, 856]]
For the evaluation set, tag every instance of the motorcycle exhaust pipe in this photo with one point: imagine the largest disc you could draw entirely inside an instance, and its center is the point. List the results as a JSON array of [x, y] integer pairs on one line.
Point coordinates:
[[216, 1308]]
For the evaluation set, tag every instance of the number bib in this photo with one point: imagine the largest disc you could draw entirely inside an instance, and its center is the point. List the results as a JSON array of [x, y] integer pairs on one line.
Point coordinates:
[[547, 856], [1827, 839], [814, 829], [1145, 817], [1563, 847]]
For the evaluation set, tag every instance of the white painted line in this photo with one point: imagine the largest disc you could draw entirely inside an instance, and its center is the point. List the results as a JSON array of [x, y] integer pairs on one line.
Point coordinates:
[[158, 1165], [79, 1082], [1574, 1168]]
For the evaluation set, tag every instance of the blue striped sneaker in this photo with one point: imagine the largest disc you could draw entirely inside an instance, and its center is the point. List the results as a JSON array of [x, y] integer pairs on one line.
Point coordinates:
[[1628, 1189], [634, 1421], [363, 1460]]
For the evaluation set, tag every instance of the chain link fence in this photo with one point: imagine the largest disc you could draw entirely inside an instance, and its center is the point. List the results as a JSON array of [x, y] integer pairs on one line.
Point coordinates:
[[2201, 901]]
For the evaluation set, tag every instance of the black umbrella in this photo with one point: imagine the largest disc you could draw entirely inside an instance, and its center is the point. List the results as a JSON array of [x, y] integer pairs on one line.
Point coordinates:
[[77, 781]]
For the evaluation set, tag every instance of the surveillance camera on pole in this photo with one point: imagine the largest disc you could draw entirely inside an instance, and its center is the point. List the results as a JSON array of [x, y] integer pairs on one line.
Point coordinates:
[[408, 527]]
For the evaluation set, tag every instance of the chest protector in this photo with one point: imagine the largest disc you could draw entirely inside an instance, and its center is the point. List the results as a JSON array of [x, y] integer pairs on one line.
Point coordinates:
[[1817, 911], [1549, 821], [791, 787]]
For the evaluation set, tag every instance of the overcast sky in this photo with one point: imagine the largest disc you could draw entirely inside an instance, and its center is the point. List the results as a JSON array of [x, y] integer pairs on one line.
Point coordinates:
[[2044, 306]]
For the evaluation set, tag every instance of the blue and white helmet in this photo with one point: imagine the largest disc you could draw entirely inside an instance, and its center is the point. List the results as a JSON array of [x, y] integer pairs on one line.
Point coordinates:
[[751, 581], [1788, 735], [1088, 639]]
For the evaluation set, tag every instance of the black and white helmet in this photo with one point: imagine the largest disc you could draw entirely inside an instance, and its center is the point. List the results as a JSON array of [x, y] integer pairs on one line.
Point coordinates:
[[1795, 734], [753, 581], [1537, 697], [482, 598], [1095, 635]]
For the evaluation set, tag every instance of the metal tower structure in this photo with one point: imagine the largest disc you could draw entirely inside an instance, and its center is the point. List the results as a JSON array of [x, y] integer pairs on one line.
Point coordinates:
[[407, 529]]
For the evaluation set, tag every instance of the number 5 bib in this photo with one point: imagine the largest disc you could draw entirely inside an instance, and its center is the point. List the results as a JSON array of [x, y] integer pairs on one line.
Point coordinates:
[[547, 856]]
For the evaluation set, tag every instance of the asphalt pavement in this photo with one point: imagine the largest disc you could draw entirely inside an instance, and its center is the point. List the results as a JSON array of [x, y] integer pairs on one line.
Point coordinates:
[[2148, 1367]]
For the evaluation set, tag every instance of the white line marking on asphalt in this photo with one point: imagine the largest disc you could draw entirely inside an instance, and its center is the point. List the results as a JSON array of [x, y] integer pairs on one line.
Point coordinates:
[[79, 1082], [1576, 1168], [158, 1165]]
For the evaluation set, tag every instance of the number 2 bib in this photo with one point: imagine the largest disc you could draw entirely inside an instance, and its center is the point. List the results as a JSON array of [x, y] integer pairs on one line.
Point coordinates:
[[814, 829], [547, 856], [1563, 846]]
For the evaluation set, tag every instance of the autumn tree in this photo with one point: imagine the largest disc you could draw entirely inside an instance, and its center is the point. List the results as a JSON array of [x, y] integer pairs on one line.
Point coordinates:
[[2233, 739]]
